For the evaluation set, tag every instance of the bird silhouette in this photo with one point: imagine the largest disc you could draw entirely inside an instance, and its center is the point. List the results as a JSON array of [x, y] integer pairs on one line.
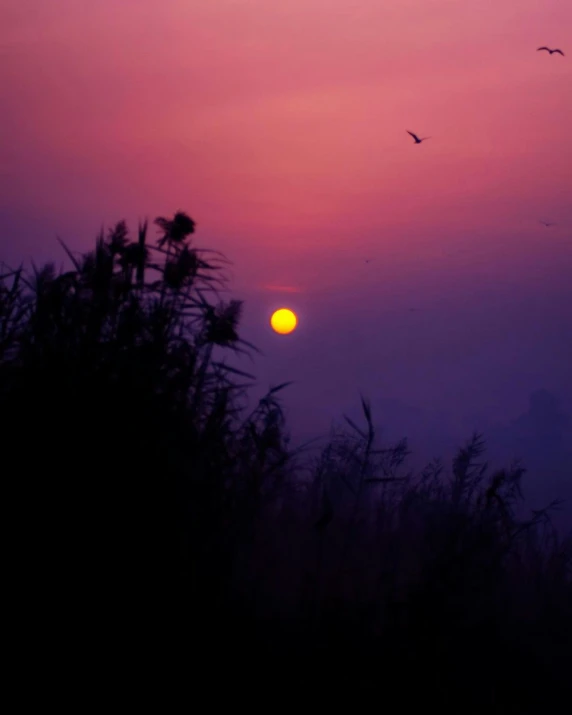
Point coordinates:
[[547, 223], [551, 51], [416, 138]]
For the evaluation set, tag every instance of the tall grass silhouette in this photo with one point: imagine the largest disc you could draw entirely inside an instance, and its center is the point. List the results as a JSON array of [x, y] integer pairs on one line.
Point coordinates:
[[144, 500]]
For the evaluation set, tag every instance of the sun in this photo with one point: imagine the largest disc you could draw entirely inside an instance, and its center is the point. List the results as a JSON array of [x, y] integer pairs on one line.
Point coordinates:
[[283, 321]]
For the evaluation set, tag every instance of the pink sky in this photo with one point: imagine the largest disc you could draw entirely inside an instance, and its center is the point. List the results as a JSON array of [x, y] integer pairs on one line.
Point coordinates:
[[280, 127]]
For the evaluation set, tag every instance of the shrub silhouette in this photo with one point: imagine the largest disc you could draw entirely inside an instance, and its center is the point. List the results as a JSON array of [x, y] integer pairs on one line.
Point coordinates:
[[142, 496], [126, 421]]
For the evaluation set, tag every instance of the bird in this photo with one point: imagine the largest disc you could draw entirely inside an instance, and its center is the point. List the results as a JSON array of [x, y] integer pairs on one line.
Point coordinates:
[[551, 51], [417, 140], [367, 260], [547, 223]]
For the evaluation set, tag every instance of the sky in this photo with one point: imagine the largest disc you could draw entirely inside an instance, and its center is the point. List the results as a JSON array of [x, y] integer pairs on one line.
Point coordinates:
[[281, 129]]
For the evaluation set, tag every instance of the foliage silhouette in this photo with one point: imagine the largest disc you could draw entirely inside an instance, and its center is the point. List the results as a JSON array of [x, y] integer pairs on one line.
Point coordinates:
[[143, 493]]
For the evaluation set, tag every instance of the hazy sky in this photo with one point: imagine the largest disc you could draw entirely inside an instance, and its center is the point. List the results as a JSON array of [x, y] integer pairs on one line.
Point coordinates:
[[280, 128]]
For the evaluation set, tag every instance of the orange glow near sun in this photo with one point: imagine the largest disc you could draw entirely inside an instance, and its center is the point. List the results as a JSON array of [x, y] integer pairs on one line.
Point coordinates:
[[283, 321]]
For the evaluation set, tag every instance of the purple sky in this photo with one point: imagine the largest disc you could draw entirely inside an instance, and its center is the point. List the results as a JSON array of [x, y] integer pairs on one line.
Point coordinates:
[[280, 128]]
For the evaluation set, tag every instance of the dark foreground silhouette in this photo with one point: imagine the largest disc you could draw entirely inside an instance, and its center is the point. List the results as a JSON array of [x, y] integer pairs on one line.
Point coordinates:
[[155, 525]]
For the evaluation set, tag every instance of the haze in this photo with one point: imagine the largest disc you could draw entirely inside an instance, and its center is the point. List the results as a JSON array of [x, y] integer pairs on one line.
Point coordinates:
[[280, 128]]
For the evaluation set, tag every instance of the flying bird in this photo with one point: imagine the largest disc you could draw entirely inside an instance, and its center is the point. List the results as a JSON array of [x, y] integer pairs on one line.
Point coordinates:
[[551, 51], [416, 138], [547, 223]]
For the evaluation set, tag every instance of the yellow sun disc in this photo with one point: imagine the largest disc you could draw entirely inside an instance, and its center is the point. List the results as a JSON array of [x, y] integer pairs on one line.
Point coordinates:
[[283, 321]]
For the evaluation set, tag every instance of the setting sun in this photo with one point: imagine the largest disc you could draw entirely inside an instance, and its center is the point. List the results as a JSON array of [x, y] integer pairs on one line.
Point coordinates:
[[283, 321]]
